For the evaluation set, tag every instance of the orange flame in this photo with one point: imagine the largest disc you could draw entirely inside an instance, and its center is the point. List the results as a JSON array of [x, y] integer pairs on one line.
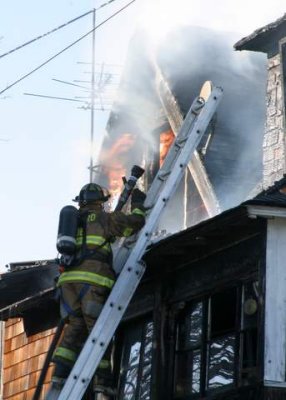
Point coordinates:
[[115, 161], [166, 140]]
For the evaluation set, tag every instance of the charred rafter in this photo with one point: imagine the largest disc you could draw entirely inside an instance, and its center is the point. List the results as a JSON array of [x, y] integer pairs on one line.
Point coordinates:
[[195, 166]]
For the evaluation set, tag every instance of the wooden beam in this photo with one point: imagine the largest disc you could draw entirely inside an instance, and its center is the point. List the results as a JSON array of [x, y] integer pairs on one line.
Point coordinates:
[[195, 166]]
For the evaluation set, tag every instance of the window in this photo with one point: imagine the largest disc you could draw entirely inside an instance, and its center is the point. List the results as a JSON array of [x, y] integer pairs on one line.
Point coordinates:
[[222, 340], [189, 352], [135, 374], [216, 343]]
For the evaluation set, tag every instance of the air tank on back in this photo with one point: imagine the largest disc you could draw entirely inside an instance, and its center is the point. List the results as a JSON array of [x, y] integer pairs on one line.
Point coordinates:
[[67, 231]]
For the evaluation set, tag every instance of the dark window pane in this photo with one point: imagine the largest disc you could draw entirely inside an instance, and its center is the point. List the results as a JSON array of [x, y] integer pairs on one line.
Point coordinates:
[[221, 362], [134, 354], [145, 380], [148, 342], [223, 312], [146, 383], [135, 379], [130, 384], [187, 374], [190, 329]]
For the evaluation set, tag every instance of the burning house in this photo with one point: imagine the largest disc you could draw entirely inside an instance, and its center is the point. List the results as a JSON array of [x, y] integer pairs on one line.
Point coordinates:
[[207, 320], [156, 92]]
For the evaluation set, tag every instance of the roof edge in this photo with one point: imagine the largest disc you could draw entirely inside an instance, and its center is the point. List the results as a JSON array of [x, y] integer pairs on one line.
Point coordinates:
[[251, 42]]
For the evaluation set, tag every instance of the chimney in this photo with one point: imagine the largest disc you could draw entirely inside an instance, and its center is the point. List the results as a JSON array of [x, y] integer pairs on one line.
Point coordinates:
[[271, 39]]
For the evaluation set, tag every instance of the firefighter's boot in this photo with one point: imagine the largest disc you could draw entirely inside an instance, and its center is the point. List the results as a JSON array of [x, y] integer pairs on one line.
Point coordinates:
[[55, 389]]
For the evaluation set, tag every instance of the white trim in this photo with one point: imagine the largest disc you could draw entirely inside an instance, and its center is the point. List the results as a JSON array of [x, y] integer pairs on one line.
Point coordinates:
[[275, 302], [266, 211]]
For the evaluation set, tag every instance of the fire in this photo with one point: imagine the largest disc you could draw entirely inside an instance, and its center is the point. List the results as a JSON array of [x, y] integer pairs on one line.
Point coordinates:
[[115, 174], [114, 161], [166, 140]]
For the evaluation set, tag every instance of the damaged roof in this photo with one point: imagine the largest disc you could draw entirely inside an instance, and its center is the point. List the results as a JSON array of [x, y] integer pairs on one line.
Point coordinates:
[[28, 291], [25, 281], [265, 39]]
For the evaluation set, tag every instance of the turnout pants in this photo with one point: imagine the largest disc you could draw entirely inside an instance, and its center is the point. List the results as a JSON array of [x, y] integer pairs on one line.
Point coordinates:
[[81, 305]]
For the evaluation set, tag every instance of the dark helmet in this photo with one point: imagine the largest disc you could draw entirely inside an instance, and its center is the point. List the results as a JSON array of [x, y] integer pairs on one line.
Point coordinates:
[[90, 193]]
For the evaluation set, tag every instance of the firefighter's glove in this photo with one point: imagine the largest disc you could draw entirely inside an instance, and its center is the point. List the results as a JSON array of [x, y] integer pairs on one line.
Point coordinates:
[[137, 199]]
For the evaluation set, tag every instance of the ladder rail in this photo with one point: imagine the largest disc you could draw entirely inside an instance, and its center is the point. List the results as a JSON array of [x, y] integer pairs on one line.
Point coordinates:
[[134, 268]]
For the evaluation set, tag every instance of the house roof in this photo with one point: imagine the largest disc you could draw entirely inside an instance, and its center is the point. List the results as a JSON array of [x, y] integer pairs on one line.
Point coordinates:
[[25, 281], [264, 39]]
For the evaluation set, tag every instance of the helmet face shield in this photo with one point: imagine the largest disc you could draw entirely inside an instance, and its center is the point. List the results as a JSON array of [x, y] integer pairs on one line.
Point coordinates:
[[91, 193]]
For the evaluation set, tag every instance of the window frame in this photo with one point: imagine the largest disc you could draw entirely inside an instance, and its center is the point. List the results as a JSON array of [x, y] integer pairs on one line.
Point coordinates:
[[121, 346], [206, 340]]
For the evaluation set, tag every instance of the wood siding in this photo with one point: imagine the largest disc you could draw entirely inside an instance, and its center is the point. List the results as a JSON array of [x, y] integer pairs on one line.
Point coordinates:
[[23, 360], [274, 152]]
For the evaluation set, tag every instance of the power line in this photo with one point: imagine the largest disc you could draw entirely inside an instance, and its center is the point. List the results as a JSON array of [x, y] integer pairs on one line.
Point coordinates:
[[104, 4], [53, 97], [66, 48], [53, 30], [69, 83], [45, 34]]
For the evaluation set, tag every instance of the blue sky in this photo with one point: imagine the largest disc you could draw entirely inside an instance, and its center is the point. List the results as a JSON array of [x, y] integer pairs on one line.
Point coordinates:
[[44, 144]]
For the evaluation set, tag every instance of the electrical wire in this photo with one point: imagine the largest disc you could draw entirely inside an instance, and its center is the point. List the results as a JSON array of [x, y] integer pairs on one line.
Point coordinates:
[[53, 97], [54, 30], [66, 48], [45, 34], [104, 4]]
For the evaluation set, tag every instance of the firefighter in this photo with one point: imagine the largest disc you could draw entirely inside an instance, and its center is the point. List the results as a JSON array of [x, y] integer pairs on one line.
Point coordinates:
[[87, 282]]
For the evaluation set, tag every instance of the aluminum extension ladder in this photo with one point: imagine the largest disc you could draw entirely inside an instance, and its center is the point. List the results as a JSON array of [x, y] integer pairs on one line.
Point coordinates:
[[161, 190]]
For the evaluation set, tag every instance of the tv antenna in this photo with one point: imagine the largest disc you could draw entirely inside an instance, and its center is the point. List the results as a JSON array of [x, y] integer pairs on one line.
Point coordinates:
[[99, 91]]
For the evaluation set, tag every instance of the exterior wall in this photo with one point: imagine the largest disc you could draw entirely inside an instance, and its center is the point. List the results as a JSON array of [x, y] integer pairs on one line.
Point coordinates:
[[23, 360], [1, 356], [275, 303], [274, 139]]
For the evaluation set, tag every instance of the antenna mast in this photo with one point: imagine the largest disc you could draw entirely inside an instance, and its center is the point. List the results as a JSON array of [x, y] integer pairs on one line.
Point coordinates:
[[92, 95]]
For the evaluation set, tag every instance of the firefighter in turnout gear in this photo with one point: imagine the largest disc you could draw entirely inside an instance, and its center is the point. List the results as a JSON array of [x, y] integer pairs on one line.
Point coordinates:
[[86, 283]]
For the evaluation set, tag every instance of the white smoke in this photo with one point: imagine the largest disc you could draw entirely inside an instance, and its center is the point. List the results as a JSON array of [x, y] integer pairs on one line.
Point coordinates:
[[242, 16]]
